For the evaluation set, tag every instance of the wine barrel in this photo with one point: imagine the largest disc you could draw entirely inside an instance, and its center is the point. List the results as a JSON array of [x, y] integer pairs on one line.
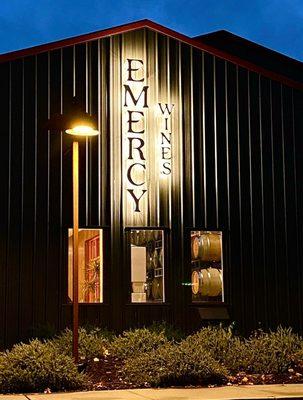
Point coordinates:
[[139, 238], [215, 286], [133, 237], [204, 282], [149, 236], [157, 289], [195, 281], [195, 245], [157, 235], [209, 247], [211, 282]]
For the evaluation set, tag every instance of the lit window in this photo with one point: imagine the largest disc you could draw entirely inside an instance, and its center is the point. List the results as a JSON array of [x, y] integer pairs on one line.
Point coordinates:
[[147, 266], [206, 266], [90, 265]]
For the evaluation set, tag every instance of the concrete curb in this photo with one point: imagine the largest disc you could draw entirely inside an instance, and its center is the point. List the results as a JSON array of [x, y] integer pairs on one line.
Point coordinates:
[[259, 392]]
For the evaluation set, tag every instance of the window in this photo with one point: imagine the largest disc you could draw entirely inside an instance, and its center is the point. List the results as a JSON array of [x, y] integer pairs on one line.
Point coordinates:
[[147, 265], [206, 266], [90, 265]]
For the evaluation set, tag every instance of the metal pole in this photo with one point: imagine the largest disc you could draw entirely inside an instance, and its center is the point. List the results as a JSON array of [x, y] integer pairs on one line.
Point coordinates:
[[75, 250]]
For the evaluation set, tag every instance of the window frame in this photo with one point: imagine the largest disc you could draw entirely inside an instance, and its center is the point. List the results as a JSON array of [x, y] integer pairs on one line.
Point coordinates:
[[187, 257], [127, 258], [105, 273]]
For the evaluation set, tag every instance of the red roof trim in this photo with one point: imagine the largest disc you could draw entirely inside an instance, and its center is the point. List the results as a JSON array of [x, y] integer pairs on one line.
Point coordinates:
[[145, 23]]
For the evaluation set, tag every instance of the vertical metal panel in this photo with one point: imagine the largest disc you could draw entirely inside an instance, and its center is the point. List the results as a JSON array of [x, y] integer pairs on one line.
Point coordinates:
[[115, 175], [54, 195], [262, 210], [28, 198], [209, 133], [298, 168], [104, 124], [298, 317], [198, 154], [186, 98], [227, 257], [256, 223], [14, 239], [270, 261], [5, 178], [221, 146], [236, 294], [277, 147], [291, 218]]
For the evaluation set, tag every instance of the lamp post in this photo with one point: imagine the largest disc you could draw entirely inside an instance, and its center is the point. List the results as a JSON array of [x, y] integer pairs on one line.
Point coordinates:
[[79, 127], [78, 124]]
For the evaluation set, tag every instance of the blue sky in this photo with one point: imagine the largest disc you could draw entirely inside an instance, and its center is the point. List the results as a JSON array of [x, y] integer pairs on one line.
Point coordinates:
[[277, 24]]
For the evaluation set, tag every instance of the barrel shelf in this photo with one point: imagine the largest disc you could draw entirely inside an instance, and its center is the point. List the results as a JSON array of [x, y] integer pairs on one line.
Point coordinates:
[[196, 264], [158, 272]]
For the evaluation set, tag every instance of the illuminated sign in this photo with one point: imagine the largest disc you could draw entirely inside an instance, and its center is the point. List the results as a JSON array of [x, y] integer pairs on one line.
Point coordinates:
[[135, 106], [165, 137]]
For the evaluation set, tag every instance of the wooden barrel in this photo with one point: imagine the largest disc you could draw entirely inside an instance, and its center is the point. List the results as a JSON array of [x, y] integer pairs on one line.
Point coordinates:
[[139, 238], [209, 247], [149, 236], [157, 235], [195, 282], [215, 286], [210, 282], [133, 237], [157, 289], [195, 245], [204, 282]]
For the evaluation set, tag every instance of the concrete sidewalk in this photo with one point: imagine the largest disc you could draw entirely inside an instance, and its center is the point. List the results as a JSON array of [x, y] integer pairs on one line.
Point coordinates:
[[294, 391]]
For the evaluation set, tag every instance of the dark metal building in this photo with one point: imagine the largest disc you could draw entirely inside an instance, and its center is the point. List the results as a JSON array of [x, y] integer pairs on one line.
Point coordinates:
[[190, 198]]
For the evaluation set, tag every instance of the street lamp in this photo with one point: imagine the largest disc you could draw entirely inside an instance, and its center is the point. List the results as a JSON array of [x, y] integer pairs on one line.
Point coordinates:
[[78, 127], [78, 124]]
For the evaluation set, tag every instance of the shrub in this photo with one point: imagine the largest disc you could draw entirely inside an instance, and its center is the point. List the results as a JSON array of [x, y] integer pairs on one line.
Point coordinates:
[[171, 332], [104, 332], [221, 344], [297, 359], [174, 364], [91, 344], [135, 342], [37, 366], [271, 352]]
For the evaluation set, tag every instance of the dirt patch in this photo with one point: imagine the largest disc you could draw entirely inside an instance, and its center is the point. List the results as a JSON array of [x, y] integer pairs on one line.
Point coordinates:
[[105, 374]]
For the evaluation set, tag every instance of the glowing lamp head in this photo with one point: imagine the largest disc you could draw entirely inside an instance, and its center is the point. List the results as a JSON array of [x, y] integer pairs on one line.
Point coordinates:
[[75, 121], [82, 129]]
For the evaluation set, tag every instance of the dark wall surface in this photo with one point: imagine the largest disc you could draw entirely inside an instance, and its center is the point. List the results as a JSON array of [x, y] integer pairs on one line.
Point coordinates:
[[255, 53], [238, 169]]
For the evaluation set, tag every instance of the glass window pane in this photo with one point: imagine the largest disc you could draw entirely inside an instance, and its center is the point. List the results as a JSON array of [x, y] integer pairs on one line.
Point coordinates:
[[206, 266], [147, 266], [90, 265]]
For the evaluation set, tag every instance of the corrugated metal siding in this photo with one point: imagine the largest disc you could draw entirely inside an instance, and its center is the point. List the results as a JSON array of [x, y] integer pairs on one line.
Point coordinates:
[[237, 167]]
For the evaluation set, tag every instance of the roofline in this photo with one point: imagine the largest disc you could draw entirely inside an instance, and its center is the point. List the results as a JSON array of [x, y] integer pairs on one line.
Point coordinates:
[[145, 23], [251, 42]]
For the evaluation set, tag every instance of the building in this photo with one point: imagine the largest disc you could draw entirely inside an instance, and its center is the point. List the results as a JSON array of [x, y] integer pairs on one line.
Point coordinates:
[[190, 199]]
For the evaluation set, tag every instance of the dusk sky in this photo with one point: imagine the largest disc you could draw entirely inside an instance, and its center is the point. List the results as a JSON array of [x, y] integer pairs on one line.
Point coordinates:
[[277, 24]]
